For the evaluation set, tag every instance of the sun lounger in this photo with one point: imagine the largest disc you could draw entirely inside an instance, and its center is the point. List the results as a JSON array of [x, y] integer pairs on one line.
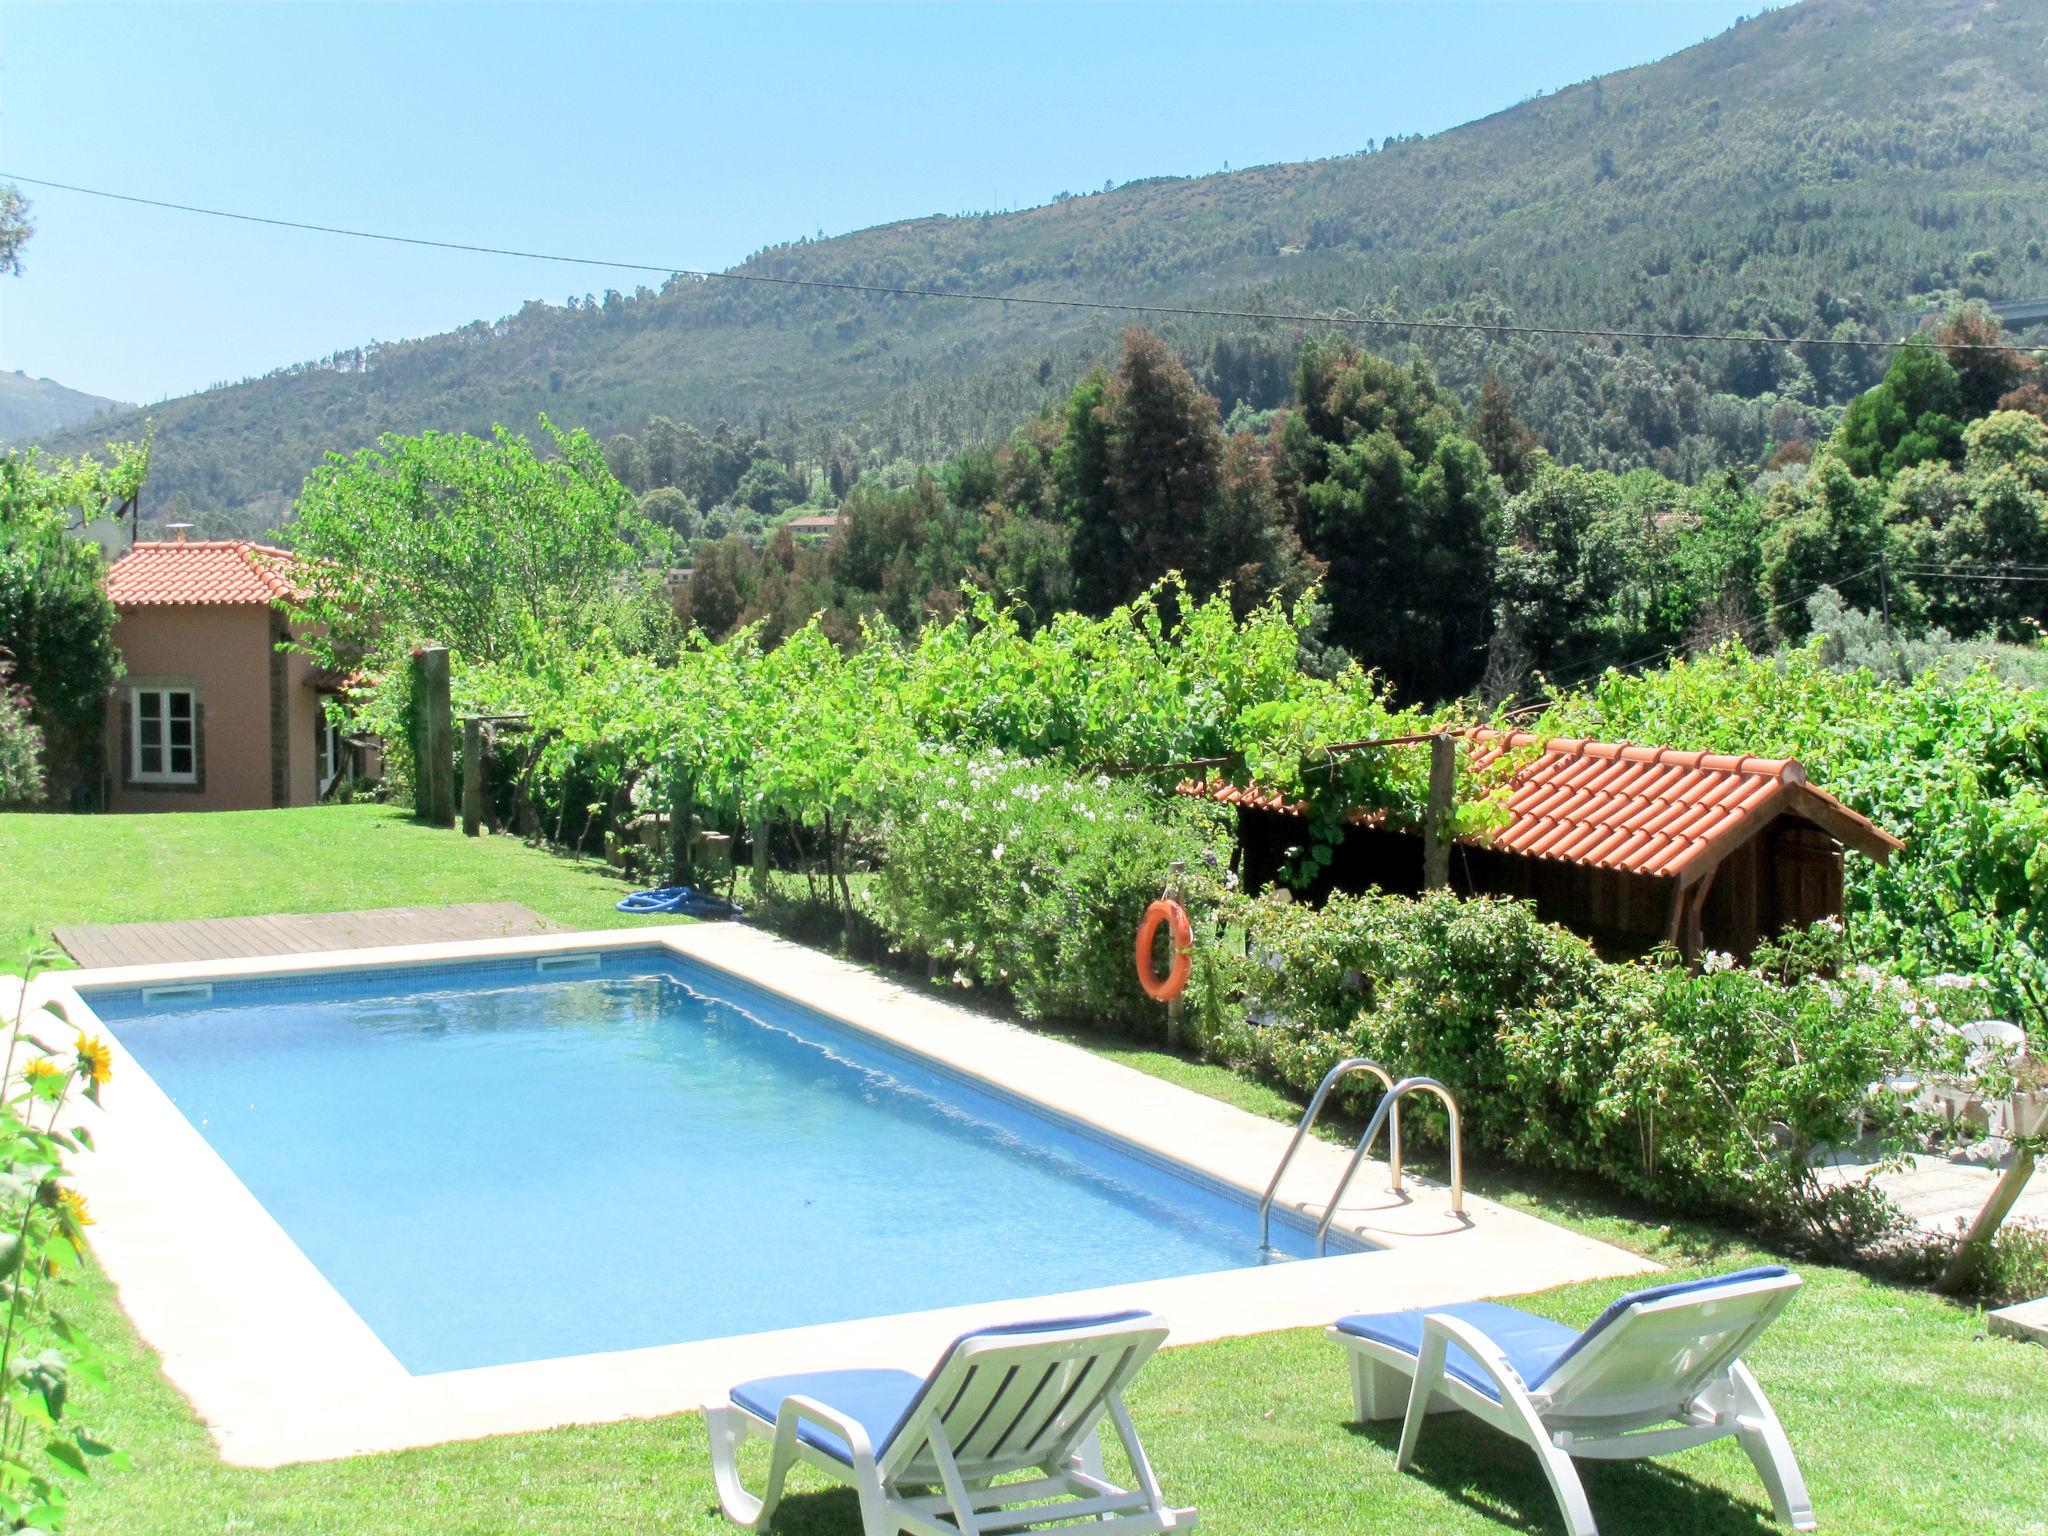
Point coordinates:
[[924, 1452], [1659, 1371]]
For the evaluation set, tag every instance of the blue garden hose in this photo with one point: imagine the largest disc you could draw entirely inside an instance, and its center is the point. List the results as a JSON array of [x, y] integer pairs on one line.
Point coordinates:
[[684, 900]]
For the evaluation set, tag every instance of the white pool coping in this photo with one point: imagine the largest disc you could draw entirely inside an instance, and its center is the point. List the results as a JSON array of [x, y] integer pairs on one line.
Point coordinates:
[[282, 1369]]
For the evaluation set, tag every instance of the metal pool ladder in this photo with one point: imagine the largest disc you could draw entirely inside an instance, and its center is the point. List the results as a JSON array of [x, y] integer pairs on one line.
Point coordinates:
[[1387, 1113]]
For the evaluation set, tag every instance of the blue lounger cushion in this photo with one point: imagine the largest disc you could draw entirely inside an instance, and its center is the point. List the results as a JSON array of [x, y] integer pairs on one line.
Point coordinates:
[[878, 1398], [1532, 1344], [874, 1397]]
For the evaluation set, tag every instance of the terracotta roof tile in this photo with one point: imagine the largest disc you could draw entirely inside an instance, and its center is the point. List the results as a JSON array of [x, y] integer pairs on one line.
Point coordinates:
[[1642, 810], [227, 571]]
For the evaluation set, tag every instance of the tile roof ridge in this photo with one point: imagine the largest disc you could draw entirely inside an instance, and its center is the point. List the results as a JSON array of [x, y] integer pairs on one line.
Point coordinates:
[[1788, 768]]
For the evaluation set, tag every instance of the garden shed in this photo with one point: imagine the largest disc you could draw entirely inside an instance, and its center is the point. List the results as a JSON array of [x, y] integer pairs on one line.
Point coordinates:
[[1630, 846]]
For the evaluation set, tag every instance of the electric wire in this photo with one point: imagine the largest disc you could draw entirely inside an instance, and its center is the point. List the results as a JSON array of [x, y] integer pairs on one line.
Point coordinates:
[[880, 290]]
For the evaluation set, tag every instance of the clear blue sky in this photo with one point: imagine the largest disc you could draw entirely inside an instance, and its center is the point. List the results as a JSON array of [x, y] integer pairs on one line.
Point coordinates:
[[684, 134]]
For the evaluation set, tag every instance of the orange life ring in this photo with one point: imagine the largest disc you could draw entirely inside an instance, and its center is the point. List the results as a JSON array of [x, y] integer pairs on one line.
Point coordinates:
[[1165, 989]]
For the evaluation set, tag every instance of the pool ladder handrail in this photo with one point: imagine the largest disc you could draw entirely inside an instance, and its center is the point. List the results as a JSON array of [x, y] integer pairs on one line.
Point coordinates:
[[1331, 1078], [1390, 1105]]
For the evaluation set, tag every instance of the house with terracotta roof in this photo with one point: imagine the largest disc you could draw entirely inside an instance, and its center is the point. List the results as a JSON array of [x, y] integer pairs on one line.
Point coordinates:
[[211, 715], [1631, 846]]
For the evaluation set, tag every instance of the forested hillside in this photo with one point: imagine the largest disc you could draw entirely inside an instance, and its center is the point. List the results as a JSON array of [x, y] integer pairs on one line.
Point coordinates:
[[1818, 171], [33, 407]]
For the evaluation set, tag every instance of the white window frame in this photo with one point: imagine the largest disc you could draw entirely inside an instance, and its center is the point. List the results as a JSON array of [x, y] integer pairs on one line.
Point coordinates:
[[163, 693], [329, 753]]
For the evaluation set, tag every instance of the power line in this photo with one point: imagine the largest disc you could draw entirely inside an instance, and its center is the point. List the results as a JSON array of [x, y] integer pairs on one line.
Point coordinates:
[[877, 290], [1742, 627], [1923, 575]]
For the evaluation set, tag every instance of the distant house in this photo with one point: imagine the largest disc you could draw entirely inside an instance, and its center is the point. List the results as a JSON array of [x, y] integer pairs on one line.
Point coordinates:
[[211, 715], [1630, 846], [813, 523]]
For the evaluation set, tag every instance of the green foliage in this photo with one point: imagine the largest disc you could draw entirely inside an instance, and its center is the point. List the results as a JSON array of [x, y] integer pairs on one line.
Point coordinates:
[[1908, 419], [42, 1237], [1825, 530], [817, 738], [1703, 1088], [1956, 764], [478, 545], [15, 228], [21, 749], [1857, 640], [1401, 507], [1007, 874], [56, 625]]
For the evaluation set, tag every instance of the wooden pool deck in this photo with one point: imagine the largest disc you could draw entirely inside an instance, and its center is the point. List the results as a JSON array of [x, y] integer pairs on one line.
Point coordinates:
[[234, 938]]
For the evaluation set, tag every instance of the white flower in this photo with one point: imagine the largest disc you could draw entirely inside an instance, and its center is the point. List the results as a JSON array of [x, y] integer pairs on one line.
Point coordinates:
[[996, 853], [1717, 960]]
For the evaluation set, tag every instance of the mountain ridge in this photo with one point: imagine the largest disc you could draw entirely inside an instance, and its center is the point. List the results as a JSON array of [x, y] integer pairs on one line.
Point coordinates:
[[1810, 172], [34, 407]]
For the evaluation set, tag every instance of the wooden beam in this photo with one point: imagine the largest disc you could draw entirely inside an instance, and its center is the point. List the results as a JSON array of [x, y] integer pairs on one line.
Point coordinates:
[[433, 738], [1436, 820], [472, 776]]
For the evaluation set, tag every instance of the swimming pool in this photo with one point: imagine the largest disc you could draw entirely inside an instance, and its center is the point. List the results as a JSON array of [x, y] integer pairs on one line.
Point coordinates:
[[522, 1159]]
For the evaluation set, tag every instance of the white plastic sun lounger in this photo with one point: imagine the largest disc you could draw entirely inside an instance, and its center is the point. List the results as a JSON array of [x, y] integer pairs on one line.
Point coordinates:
[[1671, 1353], [1020, 1398]]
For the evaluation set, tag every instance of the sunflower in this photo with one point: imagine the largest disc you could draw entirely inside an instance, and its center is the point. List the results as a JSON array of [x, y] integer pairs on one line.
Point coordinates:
[[42, 1066], [71, 1204], [95, 1061]]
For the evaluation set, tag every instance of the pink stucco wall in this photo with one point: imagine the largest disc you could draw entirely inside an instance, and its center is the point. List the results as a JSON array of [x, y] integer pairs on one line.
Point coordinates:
[[224, 654]]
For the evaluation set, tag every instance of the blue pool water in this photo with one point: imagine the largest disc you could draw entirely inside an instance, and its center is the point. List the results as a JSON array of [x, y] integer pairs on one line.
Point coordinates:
[[494, 1165]]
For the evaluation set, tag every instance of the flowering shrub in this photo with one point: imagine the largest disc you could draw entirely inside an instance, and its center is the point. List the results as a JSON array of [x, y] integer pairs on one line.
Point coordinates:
[[21, 746], [1005, 873], [42, 1224], [1710, 1087]]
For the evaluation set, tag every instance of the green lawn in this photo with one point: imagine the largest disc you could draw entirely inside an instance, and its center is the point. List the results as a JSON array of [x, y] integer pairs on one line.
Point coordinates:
[[1907, 1417], [133, 869]]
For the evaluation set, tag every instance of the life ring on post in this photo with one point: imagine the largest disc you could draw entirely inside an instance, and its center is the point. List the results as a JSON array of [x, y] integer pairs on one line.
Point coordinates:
[[1164, 989]]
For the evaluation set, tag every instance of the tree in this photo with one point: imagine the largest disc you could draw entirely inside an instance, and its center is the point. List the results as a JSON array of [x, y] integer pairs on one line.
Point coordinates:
[[1912, 417], [15, 228], [1509, 446], [622, 455], [768, 488], [1248, 539], [1104, 569], [671, 509], [1989, 516], [56, 625], [1827, 531], [1391, 496], [1987, 367], [1165, 456], [713, 601], [477, 544]]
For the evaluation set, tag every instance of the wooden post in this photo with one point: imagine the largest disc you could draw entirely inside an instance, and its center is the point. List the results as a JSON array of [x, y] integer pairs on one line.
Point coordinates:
[[1175, 872], [682, 806], [757, 834], [1436, 820], [472, 776], [1975, 1246], [433, 738]]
